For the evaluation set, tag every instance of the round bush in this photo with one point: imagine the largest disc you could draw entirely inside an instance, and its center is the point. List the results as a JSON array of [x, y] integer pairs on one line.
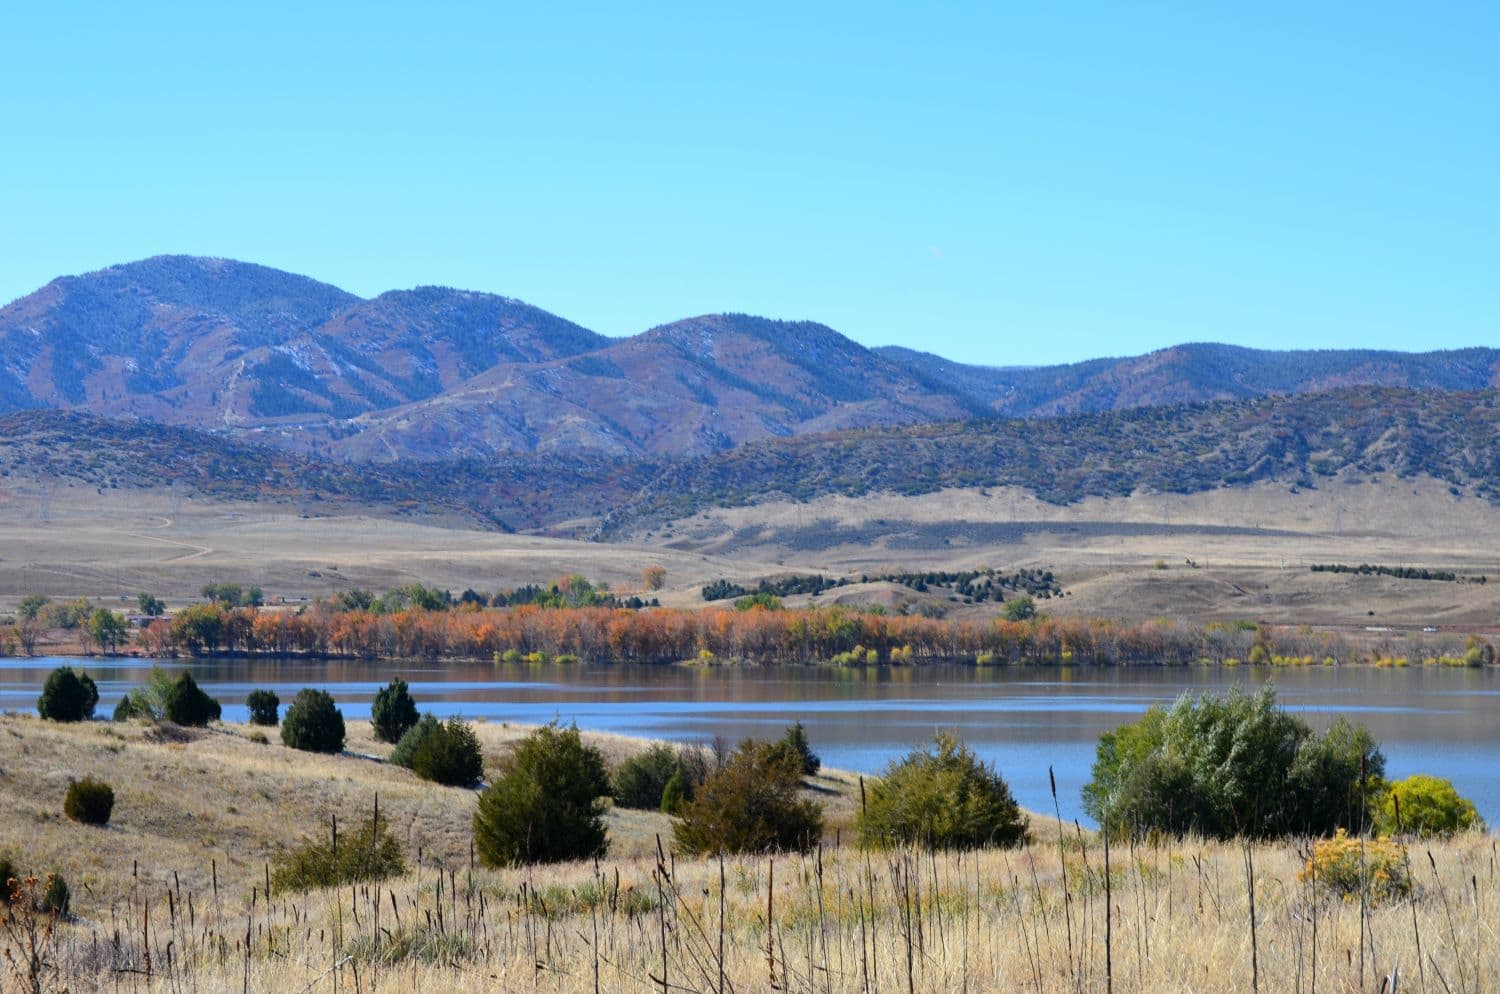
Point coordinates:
[[264, 706], [751, 804], [187, 704], [393, 711], [545, 807], [1230, 765], [641, 780], [67, 696], [89, 801], [313, 722], [942, 798], [407, 748], [450, 755], [1343, 866], [1425, 806]]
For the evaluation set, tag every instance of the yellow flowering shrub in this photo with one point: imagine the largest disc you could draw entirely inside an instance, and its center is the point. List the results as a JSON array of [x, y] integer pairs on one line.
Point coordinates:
[[1337, 866]]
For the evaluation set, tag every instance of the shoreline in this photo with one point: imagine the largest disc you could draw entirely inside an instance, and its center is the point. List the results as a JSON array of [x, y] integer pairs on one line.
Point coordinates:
[[73, 651]]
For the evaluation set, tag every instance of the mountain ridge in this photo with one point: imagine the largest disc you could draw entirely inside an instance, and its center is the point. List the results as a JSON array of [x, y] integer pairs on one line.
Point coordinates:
[[436, 372], [1349, 436]]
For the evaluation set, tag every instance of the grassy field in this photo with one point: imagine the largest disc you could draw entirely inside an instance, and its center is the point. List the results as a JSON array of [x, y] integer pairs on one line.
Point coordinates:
[[1237, 553], [112, 545], [1178, 916]]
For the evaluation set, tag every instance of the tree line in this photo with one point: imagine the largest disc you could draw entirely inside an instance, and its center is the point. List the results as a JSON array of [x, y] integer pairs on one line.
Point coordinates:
[[663, 635]]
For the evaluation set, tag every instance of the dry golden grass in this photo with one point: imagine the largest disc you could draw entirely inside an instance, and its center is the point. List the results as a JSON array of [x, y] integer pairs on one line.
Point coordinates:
[[223, 803], [117, 543], [1251, 544], [1176, 917]]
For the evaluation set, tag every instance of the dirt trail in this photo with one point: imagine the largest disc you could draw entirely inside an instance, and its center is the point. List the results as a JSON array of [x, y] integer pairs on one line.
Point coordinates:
[[199, 551]]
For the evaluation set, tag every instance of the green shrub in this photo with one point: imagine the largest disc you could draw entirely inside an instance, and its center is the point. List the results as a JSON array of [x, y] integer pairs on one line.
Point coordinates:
[[67, 696], [758, 601], [89, 801], [1426, 806], [942, 798], [545, 805], [149, 700], [640, 781], [313, 723], [187, 704], [1334, 781], [795, 742], [1229, 765], [393, 711], [125, 710], [56, 899], [1478, 652], [450, 755], [365, 851], [1021, 608], [674, 795], [264, 707], [751, 804], [49, 896], [407, 748]]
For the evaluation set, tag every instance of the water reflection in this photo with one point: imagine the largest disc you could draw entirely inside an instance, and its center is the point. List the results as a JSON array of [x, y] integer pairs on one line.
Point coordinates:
[[1440, 721]]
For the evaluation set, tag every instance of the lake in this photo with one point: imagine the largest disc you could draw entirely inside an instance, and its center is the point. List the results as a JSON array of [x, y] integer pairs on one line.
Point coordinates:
[[1428, 720]]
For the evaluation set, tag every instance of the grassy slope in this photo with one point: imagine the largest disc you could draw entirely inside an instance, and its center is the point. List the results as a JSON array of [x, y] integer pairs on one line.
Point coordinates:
[[221, 797], [841, 921]]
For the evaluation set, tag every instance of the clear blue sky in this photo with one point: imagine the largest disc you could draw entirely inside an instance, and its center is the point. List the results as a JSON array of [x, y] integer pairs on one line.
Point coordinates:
[[995, 182]]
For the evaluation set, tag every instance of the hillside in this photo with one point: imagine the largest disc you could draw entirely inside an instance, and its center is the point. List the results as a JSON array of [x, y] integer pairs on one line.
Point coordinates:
[[1299, 440], [436, 373], [1351, 434], [40, 448]]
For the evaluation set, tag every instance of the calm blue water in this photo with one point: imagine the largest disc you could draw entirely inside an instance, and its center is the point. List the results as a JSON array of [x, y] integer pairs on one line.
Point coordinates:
[[1440, 721]]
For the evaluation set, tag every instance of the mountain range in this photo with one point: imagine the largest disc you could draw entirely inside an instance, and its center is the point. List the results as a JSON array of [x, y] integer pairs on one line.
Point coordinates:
[[437, 373]]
